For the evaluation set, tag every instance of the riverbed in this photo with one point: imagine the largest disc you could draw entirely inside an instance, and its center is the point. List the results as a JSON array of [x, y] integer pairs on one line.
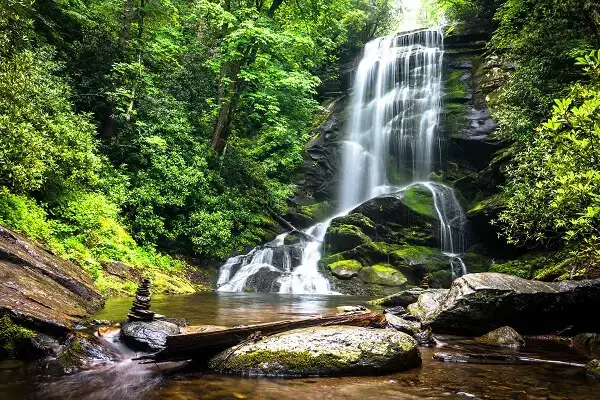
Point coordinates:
[[127, 380]]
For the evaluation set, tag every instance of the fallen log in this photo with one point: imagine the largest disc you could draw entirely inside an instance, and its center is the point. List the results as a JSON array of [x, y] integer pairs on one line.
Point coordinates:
[[201, 346]]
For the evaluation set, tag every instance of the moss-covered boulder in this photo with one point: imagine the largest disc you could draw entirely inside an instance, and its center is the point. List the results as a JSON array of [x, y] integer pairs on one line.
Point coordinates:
[[322, 351], [343, 236], [593, 368], [84, 351], [504, 336], [345, 269], [382, 274]]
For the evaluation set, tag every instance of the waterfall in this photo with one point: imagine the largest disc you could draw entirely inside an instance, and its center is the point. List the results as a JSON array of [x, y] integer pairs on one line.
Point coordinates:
[[392, 145]]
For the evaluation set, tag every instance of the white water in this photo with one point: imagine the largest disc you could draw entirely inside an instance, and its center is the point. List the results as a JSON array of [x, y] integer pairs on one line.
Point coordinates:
[[392, 138]]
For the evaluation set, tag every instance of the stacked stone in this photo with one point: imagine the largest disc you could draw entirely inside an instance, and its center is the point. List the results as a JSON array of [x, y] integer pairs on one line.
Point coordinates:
[[425, 283], [140, 310]]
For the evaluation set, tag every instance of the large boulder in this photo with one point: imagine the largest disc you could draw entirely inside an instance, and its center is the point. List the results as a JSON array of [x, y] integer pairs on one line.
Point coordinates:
[[478, 303], [147, 335], [333, 350]]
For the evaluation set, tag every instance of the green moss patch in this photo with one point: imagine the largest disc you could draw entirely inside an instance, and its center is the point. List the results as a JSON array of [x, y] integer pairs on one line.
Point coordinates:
[[10, 335], [419, 200], [382, 274], [345, 269]]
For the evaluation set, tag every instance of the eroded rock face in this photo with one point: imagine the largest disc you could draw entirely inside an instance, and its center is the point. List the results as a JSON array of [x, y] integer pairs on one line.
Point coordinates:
[[145, 335], [40, 290], [478, 303], [504, 336], [334, 350]]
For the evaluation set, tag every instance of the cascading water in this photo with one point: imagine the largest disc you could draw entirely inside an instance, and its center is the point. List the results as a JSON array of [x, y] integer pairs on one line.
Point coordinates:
[[392, 138]]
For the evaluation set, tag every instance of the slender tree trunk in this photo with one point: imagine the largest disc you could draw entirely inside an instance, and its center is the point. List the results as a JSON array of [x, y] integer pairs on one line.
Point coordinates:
[[228, 98]]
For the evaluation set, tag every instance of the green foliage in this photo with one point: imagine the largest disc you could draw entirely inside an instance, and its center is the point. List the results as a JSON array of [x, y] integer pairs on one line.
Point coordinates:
[[553, 186], [107, 109], [540, 38]]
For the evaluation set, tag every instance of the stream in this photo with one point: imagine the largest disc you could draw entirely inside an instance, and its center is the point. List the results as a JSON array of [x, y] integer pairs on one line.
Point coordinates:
[[177, 381]]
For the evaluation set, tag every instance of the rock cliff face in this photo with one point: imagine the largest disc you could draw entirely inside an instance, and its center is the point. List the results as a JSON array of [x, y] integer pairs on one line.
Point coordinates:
[[41, 293]]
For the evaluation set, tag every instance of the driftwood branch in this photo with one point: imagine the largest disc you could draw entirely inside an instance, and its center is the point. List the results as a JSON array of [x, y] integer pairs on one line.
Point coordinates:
[[203, 345], [493, 358]]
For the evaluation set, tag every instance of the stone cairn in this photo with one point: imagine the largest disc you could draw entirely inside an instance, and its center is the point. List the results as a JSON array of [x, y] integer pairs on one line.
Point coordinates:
[[425, 283], [140, 310]]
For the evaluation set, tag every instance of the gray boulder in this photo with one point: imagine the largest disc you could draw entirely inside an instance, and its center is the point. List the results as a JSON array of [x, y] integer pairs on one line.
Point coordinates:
[[427, 304], [505, 336], [142, 335], [332, 350], [478, 303], [403, 325]]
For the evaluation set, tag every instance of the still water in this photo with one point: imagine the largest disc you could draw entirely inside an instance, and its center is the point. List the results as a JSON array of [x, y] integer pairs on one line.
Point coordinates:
[[128, 380]]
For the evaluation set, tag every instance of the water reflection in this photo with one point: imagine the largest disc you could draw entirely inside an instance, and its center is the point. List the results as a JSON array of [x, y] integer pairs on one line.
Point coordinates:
[[230, 309]]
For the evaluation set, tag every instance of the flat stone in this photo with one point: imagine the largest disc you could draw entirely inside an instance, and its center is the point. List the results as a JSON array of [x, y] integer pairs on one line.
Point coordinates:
[[403, 325], [147, 335], [332, 350]]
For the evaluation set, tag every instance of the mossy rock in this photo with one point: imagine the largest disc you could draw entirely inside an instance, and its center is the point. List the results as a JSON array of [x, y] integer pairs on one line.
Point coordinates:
[[382, 274], [420, 200], [345, 269], [83, 351], [477, 262], [418, 255], [341, 237], [356, 219], [317, 212], [322, 351], [593, 368], [12, 337], [441, 278]]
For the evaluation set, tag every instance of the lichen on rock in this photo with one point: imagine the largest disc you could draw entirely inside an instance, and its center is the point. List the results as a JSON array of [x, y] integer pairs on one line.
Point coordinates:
[[333, 350]]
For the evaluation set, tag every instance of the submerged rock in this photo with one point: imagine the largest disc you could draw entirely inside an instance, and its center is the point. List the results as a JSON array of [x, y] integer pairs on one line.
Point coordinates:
[[144, 335], [505, 336], [352, 309], [478, 303], [333, 350], [398, 310]]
